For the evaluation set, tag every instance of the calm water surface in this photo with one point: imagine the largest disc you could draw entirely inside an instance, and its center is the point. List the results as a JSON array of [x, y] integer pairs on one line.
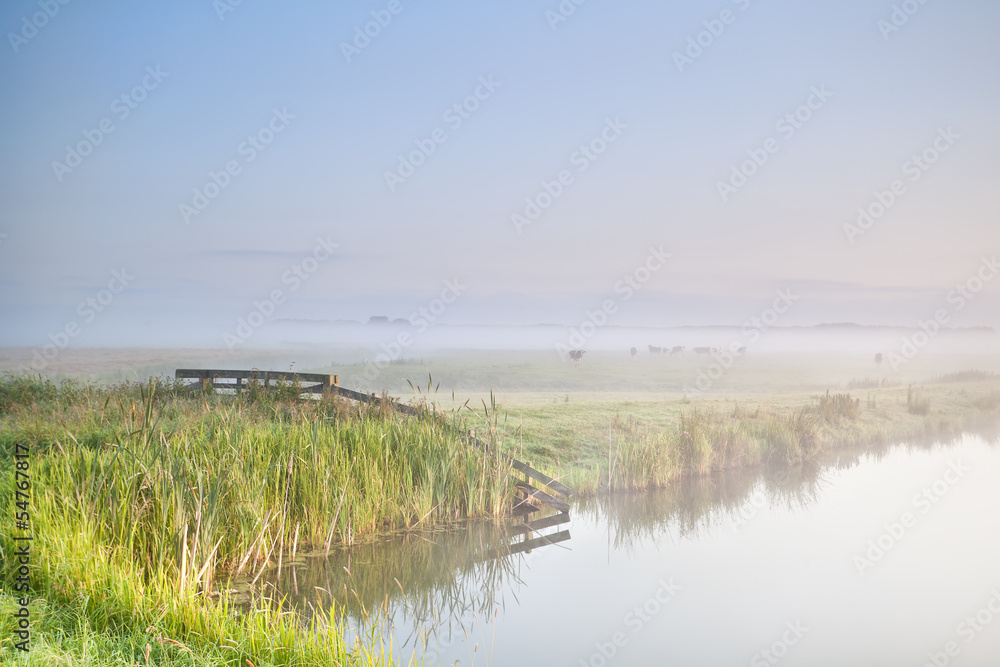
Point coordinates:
[[887, 559]]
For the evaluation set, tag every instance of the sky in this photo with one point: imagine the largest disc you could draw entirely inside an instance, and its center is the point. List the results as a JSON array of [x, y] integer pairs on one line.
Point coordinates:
[[170, 169]]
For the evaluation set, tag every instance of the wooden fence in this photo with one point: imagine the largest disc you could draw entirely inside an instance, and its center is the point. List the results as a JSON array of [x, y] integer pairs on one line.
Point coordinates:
[[311, 383], [318, 383]]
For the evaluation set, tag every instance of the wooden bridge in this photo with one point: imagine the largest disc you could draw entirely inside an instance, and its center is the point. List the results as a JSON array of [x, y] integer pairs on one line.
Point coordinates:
[[329, 385]]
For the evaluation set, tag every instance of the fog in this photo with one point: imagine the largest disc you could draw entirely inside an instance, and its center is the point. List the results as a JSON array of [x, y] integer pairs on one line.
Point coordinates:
[[178, 176]]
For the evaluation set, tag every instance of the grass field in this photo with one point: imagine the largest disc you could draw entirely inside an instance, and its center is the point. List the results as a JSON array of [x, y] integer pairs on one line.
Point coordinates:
[[606, 374], [579, 421], [144, 494]]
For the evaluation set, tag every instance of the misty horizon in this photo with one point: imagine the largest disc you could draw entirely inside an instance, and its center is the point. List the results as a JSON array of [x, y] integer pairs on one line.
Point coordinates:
[[239, 163]]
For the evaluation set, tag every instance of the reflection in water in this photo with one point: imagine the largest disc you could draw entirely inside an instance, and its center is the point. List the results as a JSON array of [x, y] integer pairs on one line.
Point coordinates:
[[437, 582], [696, 503], [441, 582], [430, 590], [729, 497]]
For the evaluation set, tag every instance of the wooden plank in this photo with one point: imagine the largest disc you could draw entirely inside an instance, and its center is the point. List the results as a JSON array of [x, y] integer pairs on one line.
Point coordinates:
[[199, 373], [539, 542], [207, 382], [372, 398], [538, 524], [541, 477], [543, 497]]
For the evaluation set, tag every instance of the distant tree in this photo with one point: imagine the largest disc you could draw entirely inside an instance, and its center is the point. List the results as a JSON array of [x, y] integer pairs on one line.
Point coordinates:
[[378, 319]]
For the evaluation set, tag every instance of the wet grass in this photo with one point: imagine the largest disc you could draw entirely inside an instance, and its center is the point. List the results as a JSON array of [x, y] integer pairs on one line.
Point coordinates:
[[834, 407], [143, 494], [639, 443], [917, 402], [699, 442]]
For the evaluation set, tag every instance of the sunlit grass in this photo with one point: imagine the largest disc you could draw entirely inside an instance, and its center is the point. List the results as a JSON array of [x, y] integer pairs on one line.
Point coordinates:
[[142, 494]]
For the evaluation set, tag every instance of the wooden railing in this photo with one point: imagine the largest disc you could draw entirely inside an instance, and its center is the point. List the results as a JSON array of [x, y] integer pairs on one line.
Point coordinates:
[[219, 379]]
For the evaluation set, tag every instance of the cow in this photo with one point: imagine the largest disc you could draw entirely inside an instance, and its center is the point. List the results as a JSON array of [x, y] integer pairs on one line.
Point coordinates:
[[677, 350], [576, 355], [878, 360], [702, 350], [741, 350], [634, 352], [655, 350]]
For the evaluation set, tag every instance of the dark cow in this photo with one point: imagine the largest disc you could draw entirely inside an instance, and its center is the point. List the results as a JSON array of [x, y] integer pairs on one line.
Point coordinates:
[[878, 360], [576, 355], [655, 350], [677, 350], [634, 353], [702, 350]]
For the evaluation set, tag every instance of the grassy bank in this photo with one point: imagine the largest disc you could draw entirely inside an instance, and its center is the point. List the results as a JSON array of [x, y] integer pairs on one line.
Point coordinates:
[[143, 494], [646, 442]]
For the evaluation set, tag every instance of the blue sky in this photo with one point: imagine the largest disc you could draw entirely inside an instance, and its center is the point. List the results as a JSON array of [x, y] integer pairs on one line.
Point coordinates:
[[345, 124]]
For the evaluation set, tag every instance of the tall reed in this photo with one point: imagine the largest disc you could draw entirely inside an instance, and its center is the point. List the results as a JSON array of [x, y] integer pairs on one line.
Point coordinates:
[[149, 492], [700, 442]]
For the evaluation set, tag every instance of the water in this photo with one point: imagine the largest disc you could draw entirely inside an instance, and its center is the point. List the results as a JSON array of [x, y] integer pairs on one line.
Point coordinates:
[[891, 558]]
